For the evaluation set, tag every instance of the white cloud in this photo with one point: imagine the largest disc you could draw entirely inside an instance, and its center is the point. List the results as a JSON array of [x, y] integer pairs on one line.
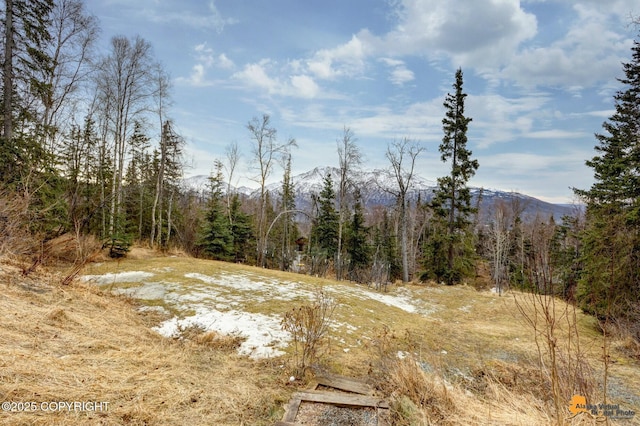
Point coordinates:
[[556, 134], [588, 53], [496, 37], [224, 62], [345, 60], [482, 32], [399, 73], [304, 86], [212, 20], [256, 75], [502, 119], [205, 59]]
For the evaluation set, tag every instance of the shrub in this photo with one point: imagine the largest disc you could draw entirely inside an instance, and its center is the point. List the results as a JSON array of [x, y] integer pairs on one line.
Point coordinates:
[[309, 325]]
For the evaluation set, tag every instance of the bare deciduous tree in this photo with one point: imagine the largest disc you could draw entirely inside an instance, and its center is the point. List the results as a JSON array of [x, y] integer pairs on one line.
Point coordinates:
[[125, 88], [266, 150], [232, 152], [161, 96], [499, 245], [73, 35], [349, 158], [402, 155]]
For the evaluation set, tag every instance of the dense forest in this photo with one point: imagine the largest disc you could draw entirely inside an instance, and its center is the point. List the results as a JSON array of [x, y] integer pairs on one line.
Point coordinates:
[[89, 151]]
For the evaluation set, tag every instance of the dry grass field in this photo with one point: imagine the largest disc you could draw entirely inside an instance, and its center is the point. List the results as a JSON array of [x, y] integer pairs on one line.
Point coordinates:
[[174, 340]]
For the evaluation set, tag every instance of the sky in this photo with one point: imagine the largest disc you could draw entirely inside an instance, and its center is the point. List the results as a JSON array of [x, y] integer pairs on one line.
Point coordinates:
[[540, 76]]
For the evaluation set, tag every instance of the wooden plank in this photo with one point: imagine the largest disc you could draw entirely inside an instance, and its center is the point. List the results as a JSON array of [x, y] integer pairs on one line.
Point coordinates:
[[291, 410], [341, 399], [345, 383], [382, 416], [285, 424]]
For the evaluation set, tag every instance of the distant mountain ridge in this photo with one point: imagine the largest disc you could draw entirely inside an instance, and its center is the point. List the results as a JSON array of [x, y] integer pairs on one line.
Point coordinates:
[[378, 187]]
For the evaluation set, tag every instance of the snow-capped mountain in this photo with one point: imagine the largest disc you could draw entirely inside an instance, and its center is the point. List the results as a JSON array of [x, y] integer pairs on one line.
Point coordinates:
[[378, 188]]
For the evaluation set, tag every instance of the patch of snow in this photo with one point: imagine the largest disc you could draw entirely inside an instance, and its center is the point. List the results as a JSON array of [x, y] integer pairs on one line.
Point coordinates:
[[120, 277], [400, 302], [263, 333], [279, 290], [403, 299], [148, 291]]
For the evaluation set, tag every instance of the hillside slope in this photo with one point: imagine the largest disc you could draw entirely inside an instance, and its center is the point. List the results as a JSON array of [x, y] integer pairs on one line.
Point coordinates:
[[445, 355]]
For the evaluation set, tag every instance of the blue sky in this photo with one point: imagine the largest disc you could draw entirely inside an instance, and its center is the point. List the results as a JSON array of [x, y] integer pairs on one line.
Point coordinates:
[[540, 77]]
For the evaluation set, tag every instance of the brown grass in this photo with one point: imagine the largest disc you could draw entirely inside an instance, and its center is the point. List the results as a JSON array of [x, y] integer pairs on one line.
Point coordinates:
[[78, 344], [470, 361]]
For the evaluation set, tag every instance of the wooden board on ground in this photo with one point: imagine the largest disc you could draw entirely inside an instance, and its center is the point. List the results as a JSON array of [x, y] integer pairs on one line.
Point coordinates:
[[352, 401], [291, 410], [341, 399], [344, 383]]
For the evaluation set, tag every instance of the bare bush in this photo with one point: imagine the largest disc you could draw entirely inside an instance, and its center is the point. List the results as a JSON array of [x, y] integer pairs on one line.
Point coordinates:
[[562, 363], [309, 326], [418, 394], [15, 237]]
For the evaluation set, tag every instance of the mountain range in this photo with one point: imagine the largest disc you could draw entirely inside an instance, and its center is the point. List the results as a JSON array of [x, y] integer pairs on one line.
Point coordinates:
[[378, 188]]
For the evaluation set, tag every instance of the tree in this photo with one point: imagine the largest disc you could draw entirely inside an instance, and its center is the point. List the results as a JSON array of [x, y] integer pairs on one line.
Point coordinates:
[[266, 150], [78, 159], [357, 244], [169, 167], [325, 229], [402, 155], [215, 238], [125, 89], [498, 240], [349, 158], [73, 36], [385, 256], [241, 231], [609, 284], [137, 177], [288, 226], [26, 32], [453, 198], [232, 152]]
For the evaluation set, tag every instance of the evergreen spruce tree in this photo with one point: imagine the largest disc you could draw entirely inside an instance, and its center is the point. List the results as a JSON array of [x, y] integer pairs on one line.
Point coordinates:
[[325, 229], [286, 229], [609, 285], [452, 201], [241, 232], [26, 31], [216, 239], [357, 244], [386, 248], [136, 182]]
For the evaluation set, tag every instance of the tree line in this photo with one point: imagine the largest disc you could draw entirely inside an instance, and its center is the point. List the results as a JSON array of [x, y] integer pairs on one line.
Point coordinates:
[[88, 147]]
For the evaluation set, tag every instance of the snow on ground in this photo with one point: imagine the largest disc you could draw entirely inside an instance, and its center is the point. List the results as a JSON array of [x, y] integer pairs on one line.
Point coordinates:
[[120, 277], [148, 291], [401, 301], [266, 290], [263, 333], [218, 303], [403, 298]]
